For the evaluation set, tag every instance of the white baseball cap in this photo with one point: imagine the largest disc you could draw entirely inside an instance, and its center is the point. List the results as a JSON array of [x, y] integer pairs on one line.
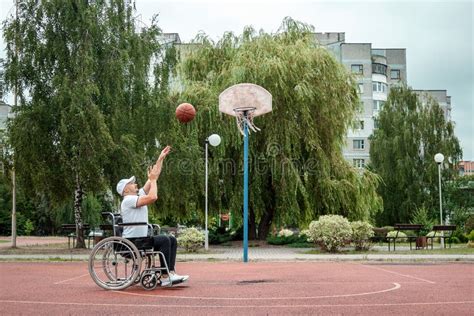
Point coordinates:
[[122, 183]]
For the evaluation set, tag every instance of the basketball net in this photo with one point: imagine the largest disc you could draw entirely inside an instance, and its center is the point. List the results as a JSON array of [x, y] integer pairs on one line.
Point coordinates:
[[245, 116]]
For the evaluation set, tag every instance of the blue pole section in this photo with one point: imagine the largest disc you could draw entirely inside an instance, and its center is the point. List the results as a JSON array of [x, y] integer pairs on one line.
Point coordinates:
[[246, 191]]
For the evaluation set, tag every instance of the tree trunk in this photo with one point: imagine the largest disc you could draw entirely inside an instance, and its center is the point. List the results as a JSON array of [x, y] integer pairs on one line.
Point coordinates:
[[252, 225], [265, 223], [78, 195]]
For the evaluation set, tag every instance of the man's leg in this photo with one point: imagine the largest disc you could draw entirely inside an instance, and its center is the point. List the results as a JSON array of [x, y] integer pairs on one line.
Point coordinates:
[[173, 249], [162, 243]]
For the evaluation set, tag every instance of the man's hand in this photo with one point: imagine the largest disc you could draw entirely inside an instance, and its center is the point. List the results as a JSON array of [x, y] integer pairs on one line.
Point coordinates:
[[159, 161], [163, 154], [153, 173]]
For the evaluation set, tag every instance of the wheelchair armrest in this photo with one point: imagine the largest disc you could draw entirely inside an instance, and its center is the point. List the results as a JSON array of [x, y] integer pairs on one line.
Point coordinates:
[[133, 224], [155, 228]]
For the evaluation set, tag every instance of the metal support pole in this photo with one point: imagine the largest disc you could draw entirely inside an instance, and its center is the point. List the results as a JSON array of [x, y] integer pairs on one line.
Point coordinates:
[[246, 190], [206, 238], [440, 205]]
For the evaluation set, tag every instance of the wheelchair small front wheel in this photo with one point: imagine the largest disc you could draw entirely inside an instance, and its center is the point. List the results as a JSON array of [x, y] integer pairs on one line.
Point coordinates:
[[149, 280]]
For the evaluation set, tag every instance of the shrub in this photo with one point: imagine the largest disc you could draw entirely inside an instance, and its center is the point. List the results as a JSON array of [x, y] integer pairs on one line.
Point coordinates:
[[402, 237], [330, 232], [469, 225], [421, 217], [219, 235], [471, 236], [191, 239], [361, 234], [460, 235], [28, 227], [288, 240]]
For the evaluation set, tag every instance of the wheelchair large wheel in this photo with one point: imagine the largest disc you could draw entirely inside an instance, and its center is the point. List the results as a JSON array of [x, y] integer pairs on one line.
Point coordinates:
[[114, 263]]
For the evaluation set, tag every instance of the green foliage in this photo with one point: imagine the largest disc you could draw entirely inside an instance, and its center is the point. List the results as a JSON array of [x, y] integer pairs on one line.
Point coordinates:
[[28, 227], [421, 216], [191, 239], [469, 225], [219, 235], [459, 234], [83, 74], [402, 151], [402, 237], [471, 235], [297, 168], [286, 239], [459, 200], [330, 232], [361, 234]]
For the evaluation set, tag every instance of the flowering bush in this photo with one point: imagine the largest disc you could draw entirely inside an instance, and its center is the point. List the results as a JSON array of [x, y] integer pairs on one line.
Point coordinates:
[[285, 233], [191, 239], [330, 232], [306, 235], [361, 234], [402, 237]]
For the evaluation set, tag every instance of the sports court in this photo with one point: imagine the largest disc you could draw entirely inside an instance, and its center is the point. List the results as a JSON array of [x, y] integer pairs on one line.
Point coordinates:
[[256, 288]]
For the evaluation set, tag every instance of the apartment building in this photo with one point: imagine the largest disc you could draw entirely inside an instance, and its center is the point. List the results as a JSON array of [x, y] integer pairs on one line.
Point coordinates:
[[4, 107], [441, 96], [377, 70], [466, 168]]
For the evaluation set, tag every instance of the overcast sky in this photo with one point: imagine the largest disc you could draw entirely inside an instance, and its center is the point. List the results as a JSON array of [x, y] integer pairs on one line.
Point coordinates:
[[437, 35]]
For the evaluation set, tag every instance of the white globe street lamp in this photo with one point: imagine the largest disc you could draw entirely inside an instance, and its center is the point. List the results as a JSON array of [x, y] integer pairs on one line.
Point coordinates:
[[439, 158], [214, 140]]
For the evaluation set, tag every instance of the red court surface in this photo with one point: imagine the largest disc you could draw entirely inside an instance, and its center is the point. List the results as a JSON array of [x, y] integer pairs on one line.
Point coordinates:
[[261, 288]]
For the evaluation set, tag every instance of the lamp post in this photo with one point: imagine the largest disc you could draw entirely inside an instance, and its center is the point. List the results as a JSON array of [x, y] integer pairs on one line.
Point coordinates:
[[439, 158], [214, 140]]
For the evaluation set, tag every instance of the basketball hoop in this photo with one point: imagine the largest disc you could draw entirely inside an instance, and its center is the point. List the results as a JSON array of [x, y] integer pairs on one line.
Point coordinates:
[[245, 101], [245, 115]]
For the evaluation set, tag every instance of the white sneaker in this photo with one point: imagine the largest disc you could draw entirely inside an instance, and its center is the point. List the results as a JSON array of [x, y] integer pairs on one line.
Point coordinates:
[[172, 279], [183, 278]]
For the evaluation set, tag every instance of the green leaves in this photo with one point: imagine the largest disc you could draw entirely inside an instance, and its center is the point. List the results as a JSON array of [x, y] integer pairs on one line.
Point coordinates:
[[402, 153], [314, 101]]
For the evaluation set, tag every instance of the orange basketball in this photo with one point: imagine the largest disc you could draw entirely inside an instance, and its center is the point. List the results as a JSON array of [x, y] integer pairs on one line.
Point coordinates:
[[185, 112]]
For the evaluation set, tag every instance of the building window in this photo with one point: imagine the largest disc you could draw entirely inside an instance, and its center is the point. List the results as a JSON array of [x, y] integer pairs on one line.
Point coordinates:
[[376, 123], [360, 125], [358, 163], [395, 74], [361, 88], [358, 144], [379, 69], [357, 69], [379, 87], [378, 105]]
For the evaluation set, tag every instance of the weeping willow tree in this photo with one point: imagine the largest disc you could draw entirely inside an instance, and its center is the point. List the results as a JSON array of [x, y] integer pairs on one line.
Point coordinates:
[[297, 171], [402, 152], [82, 71]]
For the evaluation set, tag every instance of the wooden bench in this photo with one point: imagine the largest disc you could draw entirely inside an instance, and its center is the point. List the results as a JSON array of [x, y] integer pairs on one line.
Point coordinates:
[[404, 227], [442, 228], [71, 230]]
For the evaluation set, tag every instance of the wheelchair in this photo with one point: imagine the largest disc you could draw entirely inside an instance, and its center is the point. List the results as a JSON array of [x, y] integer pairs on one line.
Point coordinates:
[[116, 263]]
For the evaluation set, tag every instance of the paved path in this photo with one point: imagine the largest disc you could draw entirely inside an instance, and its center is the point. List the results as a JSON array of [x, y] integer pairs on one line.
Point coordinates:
[[268, 254], [235, 253]]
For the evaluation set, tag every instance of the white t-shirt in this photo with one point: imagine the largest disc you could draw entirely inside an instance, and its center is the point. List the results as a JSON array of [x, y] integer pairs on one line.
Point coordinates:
[[133, 214]]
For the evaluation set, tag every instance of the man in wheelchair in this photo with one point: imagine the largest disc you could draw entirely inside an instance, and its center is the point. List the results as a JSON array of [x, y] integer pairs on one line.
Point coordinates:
[[134, 210]]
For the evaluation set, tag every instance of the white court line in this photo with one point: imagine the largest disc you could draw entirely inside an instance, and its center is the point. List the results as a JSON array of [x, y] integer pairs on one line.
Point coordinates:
[[64, 281], [134, 305], [396, 287], [404, 275]]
